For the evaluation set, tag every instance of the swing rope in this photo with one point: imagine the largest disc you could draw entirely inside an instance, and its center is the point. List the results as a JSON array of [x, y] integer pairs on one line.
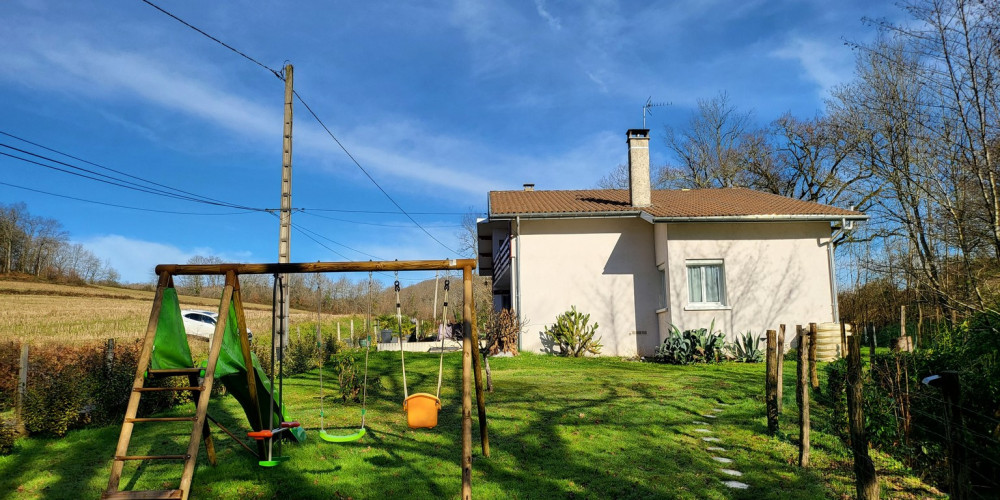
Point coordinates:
[[444, 319], [364, 388], [399, 325]]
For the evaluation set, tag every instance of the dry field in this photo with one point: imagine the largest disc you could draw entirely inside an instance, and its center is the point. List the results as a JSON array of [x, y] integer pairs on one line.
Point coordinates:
[[52, 313]]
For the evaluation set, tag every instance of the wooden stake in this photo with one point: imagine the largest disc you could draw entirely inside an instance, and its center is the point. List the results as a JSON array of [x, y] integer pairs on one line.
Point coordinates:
[[22, 389], [864, 469], [958, 472], [771, 383], [477, 368], [873, 341], [813, 376], [781, 367], [843, 339], [802, 396], [466, 387]]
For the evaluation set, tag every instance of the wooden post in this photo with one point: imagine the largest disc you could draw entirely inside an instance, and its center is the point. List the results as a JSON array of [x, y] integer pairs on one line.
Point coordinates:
[[813, 376], [958, 472], [920, 326], [802, 396], [771, 383], [338, 331], [843, 339], [109, 355], [477, 369], [22, 389], [466, 387], [902, 322], [781, 367], [864, 469]]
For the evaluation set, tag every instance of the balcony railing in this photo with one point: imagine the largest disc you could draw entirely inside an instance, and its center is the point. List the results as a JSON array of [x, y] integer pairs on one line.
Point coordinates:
[[501, 259]]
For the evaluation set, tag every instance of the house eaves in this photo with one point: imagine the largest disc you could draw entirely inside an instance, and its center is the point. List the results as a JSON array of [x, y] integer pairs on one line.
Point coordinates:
[[703, 218]]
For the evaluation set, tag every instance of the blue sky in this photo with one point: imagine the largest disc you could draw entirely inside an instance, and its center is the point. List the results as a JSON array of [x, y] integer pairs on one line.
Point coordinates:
[[440, 101]]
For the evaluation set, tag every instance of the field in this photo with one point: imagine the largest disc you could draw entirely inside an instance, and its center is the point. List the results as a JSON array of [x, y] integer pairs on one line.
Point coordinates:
[[559, 428], [43, 312]]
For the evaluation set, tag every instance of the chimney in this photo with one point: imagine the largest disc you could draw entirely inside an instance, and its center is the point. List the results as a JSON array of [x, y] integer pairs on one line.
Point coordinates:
[[638, 166], [529, 187]]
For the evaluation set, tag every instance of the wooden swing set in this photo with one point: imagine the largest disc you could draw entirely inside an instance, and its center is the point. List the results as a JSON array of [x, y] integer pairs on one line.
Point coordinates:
[[232, 305]]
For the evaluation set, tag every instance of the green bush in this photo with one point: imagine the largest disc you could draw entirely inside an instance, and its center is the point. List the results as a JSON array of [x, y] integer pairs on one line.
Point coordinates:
[[704, 345], [573, 335], [8, 434], [747, 349], [10, 358]]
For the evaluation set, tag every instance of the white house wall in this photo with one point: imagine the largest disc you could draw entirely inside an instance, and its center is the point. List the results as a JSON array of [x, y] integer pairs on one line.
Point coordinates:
[[604, 267], [774, 273]]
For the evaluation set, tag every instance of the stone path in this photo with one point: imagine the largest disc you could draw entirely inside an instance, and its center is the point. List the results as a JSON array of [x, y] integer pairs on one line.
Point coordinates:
[[717, 451]]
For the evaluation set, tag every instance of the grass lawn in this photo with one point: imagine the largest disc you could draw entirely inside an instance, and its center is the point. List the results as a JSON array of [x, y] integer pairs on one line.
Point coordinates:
[[559, 428]]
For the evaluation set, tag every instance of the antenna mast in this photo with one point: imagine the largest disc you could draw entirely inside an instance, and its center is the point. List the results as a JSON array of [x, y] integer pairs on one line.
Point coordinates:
[[646, 108]]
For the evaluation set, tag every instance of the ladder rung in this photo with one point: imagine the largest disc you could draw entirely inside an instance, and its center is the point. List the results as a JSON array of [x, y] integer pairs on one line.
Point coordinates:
[[151, 457], [168, 372], [144, 495], [161, 389], [162, 419]]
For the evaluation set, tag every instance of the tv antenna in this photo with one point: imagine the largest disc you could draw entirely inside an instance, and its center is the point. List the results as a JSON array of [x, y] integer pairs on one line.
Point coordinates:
[[647, 108]]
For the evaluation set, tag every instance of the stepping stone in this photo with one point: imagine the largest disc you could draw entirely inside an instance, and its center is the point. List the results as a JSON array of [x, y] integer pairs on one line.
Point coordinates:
[[731, 472], [717, 410], [723, 460], [699, 422], [710, 416], [715, 448], [702, 430], [736, 485], [711, 439]]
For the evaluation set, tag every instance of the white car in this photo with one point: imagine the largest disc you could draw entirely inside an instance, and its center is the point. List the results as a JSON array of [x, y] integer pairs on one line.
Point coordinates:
[[199, 323]]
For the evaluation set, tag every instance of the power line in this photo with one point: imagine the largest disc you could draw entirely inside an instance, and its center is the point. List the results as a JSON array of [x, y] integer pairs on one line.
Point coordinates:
[[122, 206], [106, 179], [126, 174], [315, 116], [216, 40], [372, 223], [388, 212], [384, 192]]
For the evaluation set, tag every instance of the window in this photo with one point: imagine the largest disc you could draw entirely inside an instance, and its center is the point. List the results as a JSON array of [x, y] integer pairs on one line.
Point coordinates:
[[706, 282]]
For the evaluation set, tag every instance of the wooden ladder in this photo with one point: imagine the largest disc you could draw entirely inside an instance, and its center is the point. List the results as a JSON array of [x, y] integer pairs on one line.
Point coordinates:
[[201, 393]]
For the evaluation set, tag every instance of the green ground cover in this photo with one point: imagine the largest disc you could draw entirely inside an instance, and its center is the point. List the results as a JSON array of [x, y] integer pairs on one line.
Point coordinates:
[[559, 428]]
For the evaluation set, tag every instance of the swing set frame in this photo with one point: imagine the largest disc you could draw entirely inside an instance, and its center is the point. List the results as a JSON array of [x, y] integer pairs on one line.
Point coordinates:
[[471, 363]]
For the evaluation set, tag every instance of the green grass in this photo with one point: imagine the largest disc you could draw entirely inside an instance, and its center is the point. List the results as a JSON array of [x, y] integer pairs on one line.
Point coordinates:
[[559, 428]]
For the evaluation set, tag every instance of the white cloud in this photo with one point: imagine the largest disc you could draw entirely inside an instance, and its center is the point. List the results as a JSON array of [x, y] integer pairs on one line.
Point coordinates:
[[135, 259], [828, 65], [553, 21]]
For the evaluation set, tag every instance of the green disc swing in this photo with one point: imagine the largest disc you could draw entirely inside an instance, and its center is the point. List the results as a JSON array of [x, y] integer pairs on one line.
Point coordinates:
[[333, 438]]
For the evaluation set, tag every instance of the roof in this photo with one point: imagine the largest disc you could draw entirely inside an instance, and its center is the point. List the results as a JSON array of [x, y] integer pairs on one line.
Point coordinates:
[[728, 204]]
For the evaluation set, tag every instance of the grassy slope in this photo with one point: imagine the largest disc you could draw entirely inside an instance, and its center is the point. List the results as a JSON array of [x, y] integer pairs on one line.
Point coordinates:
[[597, 428]]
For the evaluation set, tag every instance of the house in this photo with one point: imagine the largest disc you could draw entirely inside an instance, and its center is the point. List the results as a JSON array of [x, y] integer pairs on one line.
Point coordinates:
[[640, 261]]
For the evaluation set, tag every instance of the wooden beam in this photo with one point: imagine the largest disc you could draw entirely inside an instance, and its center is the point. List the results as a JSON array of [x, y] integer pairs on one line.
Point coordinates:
[[317, 267]]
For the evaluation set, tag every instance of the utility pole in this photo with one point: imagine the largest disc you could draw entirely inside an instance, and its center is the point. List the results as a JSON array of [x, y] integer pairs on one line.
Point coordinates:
[[285, 233]]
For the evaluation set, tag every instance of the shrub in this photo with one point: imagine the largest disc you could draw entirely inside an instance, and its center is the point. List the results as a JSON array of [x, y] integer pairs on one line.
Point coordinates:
[[10, 356], [704, 345], [747, 349], [573, 335], [8, 434]]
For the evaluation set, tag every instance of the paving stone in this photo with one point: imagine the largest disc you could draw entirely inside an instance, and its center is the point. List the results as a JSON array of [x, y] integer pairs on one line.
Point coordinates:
[[723, 460], [715, 448], [702, 430], [736, 485], [717, 410], [711, 439], [710, 416], [731, 472], [699, 422]]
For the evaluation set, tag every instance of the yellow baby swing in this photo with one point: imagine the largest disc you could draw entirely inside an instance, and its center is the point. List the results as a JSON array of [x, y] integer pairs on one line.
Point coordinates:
[[421, 408]]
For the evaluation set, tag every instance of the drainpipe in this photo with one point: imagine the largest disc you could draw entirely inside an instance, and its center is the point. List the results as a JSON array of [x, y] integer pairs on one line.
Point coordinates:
[[844, 227], [517, 276]]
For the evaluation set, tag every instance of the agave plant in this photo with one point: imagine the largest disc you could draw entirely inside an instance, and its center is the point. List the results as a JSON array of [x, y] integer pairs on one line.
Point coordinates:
[[747, 349]]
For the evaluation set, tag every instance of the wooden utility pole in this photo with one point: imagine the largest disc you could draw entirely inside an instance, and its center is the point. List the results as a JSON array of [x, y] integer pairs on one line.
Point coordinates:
[[864, 469], [285, 232], [802, 395]]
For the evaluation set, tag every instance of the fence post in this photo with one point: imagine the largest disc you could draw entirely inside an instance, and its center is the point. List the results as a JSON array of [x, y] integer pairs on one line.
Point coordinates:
[[781, 367], [951, 388], [843, 339], [109, 355], [802, 396], [22, 389], [874, 342], [813, 376], [864, 469], [338, 331], [771, 383]]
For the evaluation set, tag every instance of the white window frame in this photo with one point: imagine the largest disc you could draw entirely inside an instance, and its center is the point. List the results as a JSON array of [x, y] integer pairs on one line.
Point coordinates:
[[661, 305], [701, 264]]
